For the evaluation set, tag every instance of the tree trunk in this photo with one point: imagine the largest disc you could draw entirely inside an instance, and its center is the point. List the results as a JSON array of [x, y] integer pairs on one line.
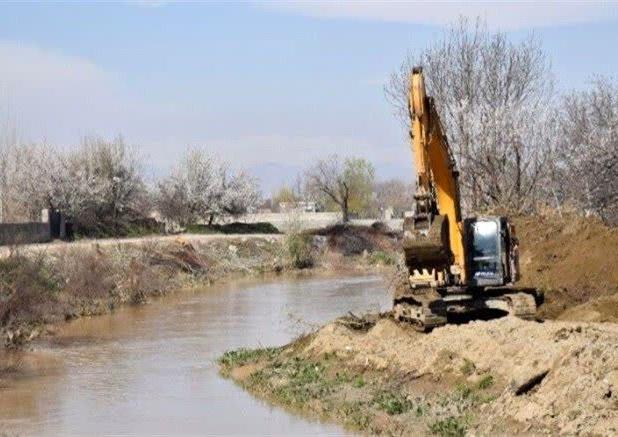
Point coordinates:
[[344, 211]]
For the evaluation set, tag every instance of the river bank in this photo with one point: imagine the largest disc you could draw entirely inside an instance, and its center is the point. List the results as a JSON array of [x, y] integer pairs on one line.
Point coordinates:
[[504, 376], [500, 377], [41, 287]]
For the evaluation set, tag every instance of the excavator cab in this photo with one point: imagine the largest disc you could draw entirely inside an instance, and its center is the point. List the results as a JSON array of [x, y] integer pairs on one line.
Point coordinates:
[[491, 248]]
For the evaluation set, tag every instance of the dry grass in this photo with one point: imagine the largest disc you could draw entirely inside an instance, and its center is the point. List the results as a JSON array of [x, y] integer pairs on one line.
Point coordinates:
[[38, 289]]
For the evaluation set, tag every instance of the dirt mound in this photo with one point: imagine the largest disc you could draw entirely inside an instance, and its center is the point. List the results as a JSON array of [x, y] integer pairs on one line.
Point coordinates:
[[552, 377], [573, 260], [354, 240]]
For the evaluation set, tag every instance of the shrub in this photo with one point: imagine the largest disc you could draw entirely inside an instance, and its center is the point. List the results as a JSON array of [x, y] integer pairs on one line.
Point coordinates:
[[392, 403], [449, 427], [87, 275], [28, 288], [298, 245]]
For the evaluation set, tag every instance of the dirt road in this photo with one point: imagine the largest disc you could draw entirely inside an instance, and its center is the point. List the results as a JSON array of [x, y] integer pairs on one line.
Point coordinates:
[[59, 246]]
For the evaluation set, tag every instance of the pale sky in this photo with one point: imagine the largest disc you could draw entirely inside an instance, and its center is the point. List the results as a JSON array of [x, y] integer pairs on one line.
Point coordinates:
[[269, 86]]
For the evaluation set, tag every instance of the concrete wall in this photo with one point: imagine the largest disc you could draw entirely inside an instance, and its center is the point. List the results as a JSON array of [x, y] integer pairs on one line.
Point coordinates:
[[24, 233], [284, 221], [307, 220]]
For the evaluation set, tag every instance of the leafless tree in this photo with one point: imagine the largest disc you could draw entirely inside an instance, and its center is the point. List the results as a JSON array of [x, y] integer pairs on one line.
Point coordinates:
[[587, 164], [495, 100], [348, 183], [393, 193]]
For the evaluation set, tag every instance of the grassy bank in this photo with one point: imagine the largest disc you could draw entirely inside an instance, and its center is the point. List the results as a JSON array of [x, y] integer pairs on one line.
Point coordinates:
[[501, 377], [361, 399]]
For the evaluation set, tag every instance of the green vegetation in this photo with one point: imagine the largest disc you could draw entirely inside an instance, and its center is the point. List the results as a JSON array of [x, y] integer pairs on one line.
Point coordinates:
[[299, 381], [485, 382], [467, 396], [450, 427], [241, 357], [358, 382], [383, 258], [298, 246], [468, 367], [392, 402], [345, 184], [362, 401], [355, 414]]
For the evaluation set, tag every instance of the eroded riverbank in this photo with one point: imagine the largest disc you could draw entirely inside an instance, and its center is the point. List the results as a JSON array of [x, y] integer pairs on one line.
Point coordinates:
[[501, 377], [151, 369]]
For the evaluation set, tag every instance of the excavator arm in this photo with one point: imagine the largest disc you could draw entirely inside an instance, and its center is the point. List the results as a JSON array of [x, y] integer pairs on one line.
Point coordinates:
[[434, 236]]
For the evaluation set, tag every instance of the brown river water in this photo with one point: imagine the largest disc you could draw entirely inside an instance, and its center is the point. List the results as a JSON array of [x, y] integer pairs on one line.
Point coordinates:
[[151, 369]]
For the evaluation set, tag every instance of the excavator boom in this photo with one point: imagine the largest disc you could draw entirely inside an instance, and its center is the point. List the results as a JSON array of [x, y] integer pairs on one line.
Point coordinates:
[[437, 194]]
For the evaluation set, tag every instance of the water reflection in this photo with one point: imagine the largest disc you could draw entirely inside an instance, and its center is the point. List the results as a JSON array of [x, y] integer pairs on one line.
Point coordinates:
[[150, 369]]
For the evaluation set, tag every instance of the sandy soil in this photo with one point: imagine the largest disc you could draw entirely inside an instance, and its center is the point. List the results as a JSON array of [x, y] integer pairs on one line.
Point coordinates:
[[553, 376]]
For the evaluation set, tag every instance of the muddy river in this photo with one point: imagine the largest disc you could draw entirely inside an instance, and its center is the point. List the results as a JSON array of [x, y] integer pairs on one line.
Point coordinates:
[[151, 370]]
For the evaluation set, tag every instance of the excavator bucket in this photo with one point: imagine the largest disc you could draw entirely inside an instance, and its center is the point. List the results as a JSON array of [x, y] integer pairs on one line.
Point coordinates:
[[425, 243]]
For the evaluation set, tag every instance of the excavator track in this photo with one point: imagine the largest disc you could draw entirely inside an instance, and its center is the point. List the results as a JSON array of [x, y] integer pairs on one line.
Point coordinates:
[[420, 317], [426, 309], [519, 304]]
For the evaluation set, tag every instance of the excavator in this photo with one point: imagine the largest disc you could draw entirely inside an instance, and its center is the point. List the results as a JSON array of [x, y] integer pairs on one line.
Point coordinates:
[[454, 266]]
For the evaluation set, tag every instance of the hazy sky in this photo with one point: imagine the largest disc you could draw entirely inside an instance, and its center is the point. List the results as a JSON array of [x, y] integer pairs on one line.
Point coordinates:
[[267, 85]]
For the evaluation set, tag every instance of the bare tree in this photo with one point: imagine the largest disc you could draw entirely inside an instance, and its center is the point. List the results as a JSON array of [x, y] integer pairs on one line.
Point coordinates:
[[347, 184], [8, 143], [394, 193], [495, 99], [587, 164]]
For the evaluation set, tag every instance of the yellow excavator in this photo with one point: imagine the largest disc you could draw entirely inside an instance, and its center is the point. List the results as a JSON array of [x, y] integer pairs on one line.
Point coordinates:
[[453, 265]]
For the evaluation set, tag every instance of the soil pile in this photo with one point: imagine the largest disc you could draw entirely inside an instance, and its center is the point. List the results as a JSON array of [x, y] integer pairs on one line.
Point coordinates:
[[573, 260], [354, 240], [551, 377]]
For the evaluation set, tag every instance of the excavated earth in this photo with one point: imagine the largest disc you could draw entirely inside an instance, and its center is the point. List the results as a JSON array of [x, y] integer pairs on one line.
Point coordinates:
[[574, 261], [554, 376], [499, 377]]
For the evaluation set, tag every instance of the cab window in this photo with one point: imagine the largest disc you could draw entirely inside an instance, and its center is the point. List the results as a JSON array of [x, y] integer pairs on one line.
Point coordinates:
[[485, 248]]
